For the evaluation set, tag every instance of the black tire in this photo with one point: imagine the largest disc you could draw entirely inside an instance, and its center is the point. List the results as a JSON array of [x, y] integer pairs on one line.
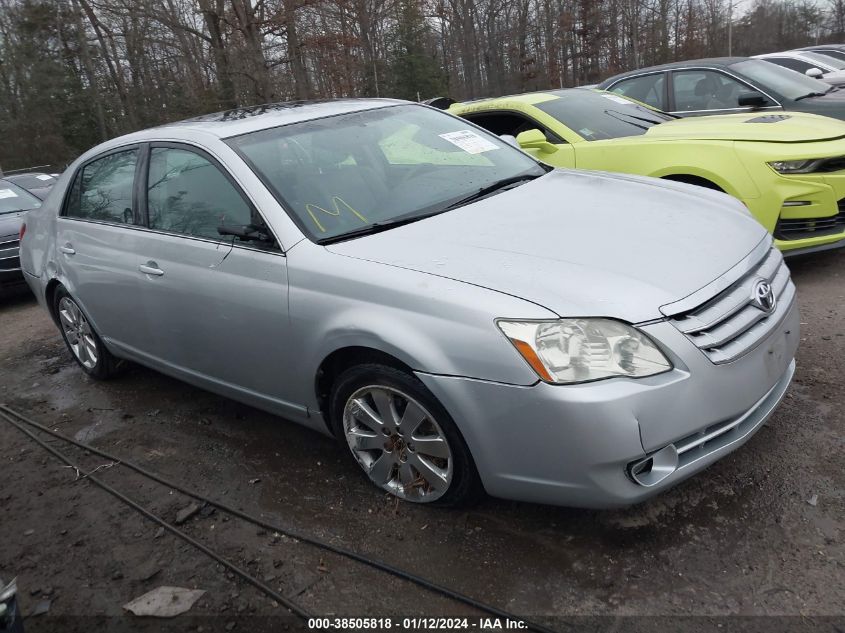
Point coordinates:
[[465, 486], [107, 366]]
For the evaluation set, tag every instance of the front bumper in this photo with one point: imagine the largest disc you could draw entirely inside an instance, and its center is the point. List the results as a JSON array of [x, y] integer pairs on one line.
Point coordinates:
[[573, 444], [804, 212]]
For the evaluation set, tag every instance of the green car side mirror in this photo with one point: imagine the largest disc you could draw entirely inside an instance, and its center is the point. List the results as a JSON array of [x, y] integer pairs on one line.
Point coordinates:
[[535, 139]]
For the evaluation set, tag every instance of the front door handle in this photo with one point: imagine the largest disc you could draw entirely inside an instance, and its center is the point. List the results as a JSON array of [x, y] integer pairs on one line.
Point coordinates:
[[67, 249], [151, 268]]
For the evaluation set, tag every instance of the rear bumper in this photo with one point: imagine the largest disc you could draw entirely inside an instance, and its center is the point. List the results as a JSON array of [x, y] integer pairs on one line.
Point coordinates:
[[574, 444]]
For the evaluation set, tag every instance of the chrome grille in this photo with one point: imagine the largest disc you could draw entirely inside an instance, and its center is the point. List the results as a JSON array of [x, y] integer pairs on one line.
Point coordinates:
[[730, 324], [9, 254]]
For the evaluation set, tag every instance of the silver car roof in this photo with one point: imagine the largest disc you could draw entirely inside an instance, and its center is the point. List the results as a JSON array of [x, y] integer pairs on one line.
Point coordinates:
[[250, 119]]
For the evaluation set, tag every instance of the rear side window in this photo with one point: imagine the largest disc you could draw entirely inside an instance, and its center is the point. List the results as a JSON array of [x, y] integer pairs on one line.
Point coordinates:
[[649, 89], [102, 190], [187, 194]]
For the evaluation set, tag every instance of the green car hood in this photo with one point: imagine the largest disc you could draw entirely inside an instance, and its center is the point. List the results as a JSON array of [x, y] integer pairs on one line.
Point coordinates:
[[776, 127]]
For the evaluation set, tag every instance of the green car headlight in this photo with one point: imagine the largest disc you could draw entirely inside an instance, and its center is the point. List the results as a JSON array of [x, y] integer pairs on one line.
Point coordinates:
[[567, 351], [796, 166]]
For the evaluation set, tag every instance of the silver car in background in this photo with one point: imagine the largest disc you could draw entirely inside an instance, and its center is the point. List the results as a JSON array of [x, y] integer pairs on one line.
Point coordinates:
[[461, 317]]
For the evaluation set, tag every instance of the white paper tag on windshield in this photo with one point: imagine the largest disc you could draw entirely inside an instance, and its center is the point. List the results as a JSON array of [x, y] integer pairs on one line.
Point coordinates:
[[469, 141], [44, 177], [618, 99], [7, 193]]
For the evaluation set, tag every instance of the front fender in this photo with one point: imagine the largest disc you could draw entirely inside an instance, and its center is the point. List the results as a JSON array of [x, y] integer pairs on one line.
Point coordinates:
[[431, 324]]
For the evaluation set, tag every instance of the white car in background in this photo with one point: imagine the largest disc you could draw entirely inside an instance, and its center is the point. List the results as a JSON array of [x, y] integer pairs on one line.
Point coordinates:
[[829, 69]]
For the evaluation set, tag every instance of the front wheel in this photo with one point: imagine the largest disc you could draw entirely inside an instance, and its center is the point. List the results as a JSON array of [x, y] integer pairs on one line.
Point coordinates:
[[402, 438], [81, 339]]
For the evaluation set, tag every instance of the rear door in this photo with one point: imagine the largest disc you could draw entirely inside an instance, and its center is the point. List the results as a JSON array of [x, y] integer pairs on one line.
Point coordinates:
[[215, 306], [98, 235]]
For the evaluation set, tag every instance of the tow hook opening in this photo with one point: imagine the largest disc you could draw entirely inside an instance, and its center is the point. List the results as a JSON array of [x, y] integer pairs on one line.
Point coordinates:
[[654, 468]]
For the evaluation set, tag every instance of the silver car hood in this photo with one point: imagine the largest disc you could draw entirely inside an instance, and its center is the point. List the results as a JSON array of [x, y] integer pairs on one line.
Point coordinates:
[[578, 243]]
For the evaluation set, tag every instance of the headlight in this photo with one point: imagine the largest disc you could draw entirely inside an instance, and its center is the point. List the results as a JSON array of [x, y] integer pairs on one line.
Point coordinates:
[[796, 166], [581, 350]]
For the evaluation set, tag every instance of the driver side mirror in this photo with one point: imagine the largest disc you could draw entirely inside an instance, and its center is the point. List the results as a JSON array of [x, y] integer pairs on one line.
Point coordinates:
[[752, 100], [535, 139], [815, 73]]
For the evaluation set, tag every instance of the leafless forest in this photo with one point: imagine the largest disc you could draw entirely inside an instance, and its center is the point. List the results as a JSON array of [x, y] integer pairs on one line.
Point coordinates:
[[75, 72]]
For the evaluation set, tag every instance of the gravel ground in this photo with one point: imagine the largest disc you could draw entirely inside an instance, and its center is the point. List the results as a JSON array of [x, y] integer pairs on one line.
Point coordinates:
[[758, 534]]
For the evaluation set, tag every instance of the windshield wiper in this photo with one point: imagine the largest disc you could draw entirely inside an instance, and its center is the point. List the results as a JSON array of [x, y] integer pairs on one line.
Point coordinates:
[[491, 188], [811, 94], [377, 227]]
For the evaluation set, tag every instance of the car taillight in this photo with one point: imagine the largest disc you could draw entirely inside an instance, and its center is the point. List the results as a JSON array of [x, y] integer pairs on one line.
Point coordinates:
[[23, 231]]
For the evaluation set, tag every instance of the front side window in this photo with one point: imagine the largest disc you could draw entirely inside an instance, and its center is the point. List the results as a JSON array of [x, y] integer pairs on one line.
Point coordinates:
[[102, 190], [597, 115], [647, 89], [14, 198], [370, 170], [187, 194], [697, 90], [512, 123]]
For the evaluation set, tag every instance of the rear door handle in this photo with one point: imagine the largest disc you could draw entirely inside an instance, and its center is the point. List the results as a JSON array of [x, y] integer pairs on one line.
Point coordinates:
[[151, 268], [67, 249]]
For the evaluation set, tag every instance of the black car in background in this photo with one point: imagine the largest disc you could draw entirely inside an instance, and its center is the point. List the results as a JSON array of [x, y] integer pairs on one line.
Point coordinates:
[[35, 182], [727, 85], [14, 201]]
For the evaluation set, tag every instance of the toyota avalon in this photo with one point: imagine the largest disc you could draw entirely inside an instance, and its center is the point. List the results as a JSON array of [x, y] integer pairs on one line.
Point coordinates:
[[459, 316]]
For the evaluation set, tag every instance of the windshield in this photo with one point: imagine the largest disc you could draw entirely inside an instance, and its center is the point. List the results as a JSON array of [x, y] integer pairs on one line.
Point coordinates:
[[342, 174], [786, 82], [597, 115], [825, 59], [13, 198]]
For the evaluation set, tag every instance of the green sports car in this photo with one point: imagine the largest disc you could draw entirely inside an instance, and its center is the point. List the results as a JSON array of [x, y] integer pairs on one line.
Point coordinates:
[[787, 168]]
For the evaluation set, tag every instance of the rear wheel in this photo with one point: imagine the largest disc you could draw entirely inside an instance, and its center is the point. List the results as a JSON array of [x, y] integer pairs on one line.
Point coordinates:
[[81, 339], [401, 437]]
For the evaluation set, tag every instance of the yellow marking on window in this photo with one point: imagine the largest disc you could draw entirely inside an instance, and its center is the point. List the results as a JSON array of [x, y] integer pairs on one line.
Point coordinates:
[[337, 202]]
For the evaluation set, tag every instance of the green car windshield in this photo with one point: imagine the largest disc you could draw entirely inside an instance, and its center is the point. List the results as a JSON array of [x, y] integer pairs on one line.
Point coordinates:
[[14, 198], [342, 175], [597, 115]]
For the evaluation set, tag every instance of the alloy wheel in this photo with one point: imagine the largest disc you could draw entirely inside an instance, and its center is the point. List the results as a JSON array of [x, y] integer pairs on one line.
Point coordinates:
[[398, 443], [78, 333]]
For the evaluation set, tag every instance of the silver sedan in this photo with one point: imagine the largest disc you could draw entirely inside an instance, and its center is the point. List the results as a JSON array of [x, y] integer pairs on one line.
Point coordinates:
[[461, 317]]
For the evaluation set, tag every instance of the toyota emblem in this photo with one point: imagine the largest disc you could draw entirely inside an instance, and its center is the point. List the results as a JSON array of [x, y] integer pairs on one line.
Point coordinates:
[[763, 297]]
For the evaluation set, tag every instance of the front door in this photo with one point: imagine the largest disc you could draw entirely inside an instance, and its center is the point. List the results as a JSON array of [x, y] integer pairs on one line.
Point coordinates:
[[215, 306]]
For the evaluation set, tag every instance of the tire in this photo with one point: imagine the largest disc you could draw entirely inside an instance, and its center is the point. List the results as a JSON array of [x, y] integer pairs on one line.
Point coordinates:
[[421, 458], [82, 341]]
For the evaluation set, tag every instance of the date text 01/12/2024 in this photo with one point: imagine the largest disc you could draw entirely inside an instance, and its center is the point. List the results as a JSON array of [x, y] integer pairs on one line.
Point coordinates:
[[417, 623]]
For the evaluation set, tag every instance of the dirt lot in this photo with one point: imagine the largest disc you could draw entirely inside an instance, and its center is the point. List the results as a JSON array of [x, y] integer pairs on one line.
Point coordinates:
[[758, 534]]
